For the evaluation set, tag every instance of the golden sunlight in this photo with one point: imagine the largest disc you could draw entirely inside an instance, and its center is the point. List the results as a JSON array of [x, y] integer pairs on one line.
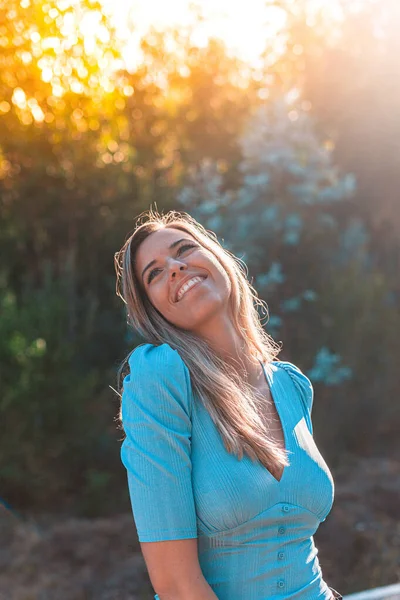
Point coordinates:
[[78, 51], [244, 27]]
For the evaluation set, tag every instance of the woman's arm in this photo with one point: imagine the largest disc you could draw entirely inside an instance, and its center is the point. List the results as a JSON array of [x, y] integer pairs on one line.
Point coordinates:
[[174, 570], [156, 414]]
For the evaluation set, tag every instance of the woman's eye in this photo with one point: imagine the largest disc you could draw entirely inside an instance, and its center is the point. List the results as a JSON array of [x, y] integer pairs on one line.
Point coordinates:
[[180, 249], [185, 246], [151, 275]]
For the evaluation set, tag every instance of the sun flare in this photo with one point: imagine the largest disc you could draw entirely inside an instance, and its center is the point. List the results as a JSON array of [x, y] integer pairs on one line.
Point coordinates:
[[82, 45], [243, 27], [246, 28]]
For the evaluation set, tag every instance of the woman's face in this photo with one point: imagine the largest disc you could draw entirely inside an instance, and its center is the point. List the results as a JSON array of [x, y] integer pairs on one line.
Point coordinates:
[[165, 262]]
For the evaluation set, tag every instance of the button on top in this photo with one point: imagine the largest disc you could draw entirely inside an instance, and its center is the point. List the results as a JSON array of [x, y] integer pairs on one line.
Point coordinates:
[[281, 583], [285, 508], [281, 529], [281, 555]]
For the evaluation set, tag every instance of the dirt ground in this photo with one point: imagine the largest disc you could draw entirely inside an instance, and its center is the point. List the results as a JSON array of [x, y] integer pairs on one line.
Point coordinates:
[[46, 558]]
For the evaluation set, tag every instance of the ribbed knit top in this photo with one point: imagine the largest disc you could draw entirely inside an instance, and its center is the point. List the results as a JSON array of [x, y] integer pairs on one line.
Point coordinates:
[[255, 533]]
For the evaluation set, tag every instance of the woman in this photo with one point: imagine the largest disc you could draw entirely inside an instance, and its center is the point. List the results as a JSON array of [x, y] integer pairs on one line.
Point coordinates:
[[226, 483]]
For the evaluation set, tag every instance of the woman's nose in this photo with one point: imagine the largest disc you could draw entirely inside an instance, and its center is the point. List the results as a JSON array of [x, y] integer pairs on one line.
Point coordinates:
[[175, 266]]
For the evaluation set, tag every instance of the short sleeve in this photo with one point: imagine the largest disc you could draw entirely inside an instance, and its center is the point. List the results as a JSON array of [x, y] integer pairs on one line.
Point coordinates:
[[156, 416], [304, 388]]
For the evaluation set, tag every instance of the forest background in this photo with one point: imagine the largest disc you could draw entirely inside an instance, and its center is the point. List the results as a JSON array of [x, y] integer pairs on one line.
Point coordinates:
[[291, 159]]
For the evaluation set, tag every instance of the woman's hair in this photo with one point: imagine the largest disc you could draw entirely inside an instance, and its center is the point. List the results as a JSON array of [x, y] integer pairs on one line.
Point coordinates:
[[230, 400]]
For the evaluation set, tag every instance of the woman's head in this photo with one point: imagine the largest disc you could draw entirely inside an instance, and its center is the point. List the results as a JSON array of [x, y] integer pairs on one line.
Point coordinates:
[[169, 258], [162, 253]]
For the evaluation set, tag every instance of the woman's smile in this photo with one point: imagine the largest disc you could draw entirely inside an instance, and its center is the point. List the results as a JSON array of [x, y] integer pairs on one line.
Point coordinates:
[[182, 291]]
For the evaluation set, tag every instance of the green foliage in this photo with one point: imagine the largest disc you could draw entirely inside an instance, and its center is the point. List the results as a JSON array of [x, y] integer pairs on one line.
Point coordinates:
[[52, 421]]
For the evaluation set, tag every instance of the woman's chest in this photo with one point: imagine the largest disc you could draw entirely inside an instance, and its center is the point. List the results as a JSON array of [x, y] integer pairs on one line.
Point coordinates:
[[228, 491]]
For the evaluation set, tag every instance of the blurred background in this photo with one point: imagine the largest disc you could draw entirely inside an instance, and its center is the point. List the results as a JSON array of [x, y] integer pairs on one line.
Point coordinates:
[[274, 123]]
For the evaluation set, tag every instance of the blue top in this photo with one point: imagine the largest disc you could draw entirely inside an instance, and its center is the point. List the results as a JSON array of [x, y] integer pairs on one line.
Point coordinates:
[[255, 533]]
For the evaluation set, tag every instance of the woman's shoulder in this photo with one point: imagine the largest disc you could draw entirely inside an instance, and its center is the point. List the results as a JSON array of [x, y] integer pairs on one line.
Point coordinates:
[[301, 382], [293, 370], [158, 370], [148, 356]]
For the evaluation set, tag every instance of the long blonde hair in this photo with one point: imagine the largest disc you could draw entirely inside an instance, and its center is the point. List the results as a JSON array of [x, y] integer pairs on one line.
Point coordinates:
[[229, 398]]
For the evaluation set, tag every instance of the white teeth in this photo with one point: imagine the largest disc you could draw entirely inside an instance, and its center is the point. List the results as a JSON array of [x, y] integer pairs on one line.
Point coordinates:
[[188, 285]]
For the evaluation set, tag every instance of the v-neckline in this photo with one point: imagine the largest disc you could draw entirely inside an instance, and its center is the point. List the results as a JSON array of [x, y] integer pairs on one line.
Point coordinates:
[[270, 384]]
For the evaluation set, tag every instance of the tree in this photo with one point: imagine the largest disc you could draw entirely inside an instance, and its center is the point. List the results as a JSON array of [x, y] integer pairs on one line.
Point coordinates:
[[309, 254]]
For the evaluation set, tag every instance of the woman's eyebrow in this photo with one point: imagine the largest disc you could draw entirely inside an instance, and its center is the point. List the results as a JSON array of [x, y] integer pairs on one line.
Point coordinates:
[[152, 262]]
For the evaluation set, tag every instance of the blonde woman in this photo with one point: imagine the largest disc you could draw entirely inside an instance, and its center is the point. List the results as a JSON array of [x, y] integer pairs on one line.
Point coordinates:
[[226, 483]]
